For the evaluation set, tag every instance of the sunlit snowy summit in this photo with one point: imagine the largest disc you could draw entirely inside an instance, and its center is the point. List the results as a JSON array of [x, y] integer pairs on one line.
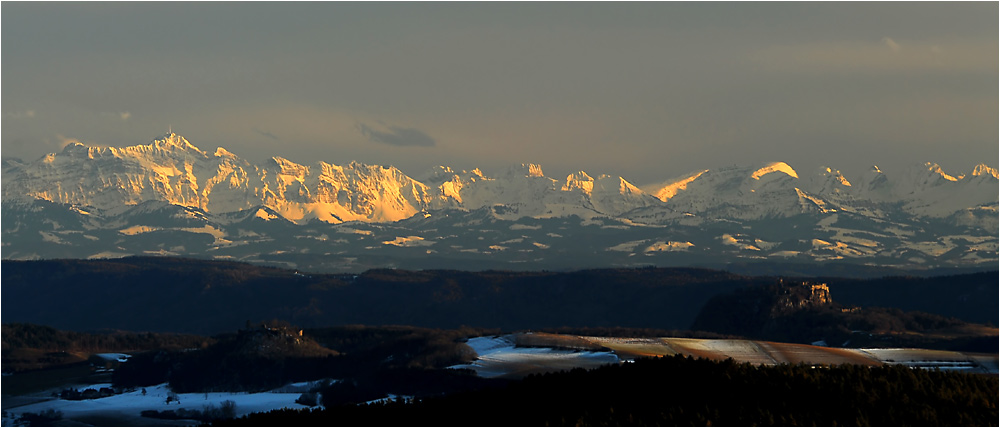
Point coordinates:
[[923, 215]]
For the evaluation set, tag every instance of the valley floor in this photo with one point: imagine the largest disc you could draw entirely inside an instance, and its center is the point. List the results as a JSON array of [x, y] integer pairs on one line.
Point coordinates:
[[506, 356]]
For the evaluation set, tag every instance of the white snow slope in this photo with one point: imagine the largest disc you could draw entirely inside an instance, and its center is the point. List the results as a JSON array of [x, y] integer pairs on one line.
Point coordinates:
[[170, 169]]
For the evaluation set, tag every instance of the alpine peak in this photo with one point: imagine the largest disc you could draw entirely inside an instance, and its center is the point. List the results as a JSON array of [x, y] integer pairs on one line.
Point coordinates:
[[833, 174], [668, 189], [874, 181], [73, 145], [826, 181], [579, 176], [223, 153], [936, 169], [526, 170], [579, 180], [75, 148], [616, 184], [921, 177], [774, 167], [285, 163], [982, 170], [438, 174], [172, 140]]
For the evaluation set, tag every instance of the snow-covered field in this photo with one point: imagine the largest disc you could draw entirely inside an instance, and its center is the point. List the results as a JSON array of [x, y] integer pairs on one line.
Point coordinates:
[[115, 356], [498, 356], [409, 241], [626, 246], [923, 358], [126, 407], [739, 350]]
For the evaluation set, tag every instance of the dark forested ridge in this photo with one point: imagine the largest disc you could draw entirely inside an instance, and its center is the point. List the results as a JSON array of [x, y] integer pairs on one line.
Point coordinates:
[[272, 354], [207, 297], [182, 295], [677, 390], [967, 296], [257, 358], [46, 338], [806, 313], [29, 346]]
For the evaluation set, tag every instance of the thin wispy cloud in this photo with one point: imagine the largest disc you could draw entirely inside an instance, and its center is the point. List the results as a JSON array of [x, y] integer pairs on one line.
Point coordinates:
[[885, 55], [122, 115], [396, 135], [27, 114], [266, 134], [891, 44]]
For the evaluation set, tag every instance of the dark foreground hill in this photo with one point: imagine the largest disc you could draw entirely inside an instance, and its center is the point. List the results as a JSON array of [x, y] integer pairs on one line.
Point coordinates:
[[809, 312], [257, 358], [370, 363], [207, 297]]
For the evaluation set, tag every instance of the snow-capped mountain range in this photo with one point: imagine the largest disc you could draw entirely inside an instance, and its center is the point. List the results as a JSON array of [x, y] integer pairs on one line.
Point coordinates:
[[127, 190]]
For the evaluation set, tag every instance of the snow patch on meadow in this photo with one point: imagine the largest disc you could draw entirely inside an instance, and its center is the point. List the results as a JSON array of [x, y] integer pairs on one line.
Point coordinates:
[[409, 241], [114, 357], [130, 404], [668, 246]]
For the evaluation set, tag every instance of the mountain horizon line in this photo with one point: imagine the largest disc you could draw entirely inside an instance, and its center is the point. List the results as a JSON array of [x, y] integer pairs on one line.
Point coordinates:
[[171, 198], [534, 169]]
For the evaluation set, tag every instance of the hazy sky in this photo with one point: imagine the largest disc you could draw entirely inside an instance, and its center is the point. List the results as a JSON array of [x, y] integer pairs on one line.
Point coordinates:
[[648, 91]]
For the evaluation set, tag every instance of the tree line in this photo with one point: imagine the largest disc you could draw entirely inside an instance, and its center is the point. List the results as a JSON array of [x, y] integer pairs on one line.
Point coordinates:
[[32, 336], [684, 391], [262, 359]]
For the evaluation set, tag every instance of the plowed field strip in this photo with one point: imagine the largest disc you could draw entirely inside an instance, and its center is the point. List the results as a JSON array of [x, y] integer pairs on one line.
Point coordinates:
[[711, 349], [765, 352], [809, 354]]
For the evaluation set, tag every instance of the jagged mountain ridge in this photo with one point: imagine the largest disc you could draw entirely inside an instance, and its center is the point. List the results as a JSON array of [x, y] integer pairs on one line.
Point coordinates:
[[172, 170], [171, 198], [776, 190]]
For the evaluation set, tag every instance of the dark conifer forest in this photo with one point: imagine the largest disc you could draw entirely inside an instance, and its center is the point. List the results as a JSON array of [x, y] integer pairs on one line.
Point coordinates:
[[676, 391]]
